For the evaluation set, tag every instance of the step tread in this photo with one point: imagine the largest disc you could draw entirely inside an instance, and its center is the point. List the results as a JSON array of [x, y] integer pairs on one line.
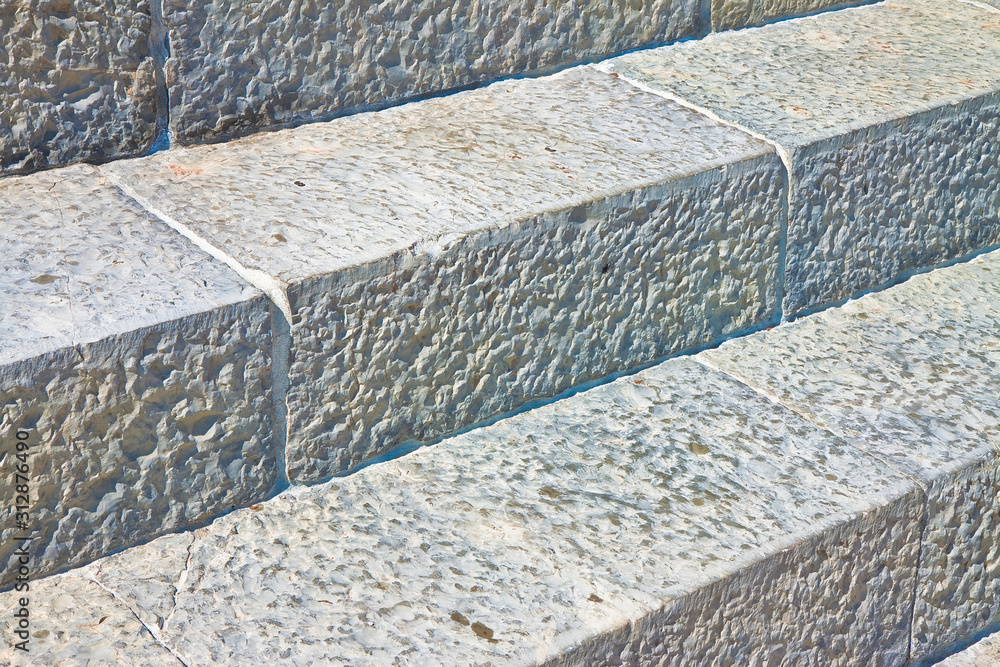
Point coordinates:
[[84, 262], [380, 183], [813, 78]]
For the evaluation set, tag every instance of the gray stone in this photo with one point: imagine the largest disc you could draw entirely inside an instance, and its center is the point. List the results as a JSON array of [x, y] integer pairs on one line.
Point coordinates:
[[912, 373], [77, 82], [138, 366], [73, 621], [673, 517], [887, 131], [450, 260], [237, 67], [732, 14]]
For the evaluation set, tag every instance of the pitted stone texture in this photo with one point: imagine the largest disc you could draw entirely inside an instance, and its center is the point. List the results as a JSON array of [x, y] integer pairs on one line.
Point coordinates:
[[73, 621], [887, 132], [677, 489], [77, 82], [140, 367], [912, 371], [732, 14], [450, 260], [984, 653], [236, 67]]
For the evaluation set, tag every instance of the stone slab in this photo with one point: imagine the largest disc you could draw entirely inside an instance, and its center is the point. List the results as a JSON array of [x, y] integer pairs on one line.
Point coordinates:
[[912, 372], [672, 517], [449, 260], [733, 14], [77, 82], [73, 621], [138, 367], [887, 133], [238, 67]]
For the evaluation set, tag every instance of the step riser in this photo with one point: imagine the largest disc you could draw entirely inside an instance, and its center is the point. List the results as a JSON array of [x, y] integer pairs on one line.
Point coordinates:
[[959, 588], [788, 609], [139, 435], [423, 345], [873, 205]]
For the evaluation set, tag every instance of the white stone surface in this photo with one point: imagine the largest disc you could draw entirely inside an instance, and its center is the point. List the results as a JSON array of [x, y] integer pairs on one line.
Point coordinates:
[[451, 259], [75, 622], [673, 517], [237, 67], [139, 365], [77, 82], [911, 372], [887, 114]]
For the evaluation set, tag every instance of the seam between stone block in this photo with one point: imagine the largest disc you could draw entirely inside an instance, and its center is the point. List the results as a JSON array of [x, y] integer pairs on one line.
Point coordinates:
[[159, 49], [90, 577], [783, 155], [281, 317], [920, 485], [791, 406]]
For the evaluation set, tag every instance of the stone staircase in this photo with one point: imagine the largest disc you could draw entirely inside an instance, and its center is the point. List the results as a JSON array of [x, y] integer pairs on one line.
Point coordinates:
[[231, 346]]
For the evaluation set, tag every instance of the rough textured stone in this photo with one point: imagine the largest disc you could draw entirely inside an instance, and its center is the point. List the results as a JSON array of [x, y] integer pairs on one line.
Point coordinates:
[[447, 261], [76, 622], [77, 82], [888, 134], [732, 14], [984, 653], [236, 67], [912, 371], [674, 517], [139, 366]]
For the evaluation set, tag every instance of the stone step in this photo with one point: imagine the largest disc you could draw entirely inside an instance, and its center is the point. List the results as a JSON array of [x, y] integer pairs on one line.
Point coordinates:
[[821, 493], [430, 267], [445, 262], [888, 117], [135, 367], [82, 83]]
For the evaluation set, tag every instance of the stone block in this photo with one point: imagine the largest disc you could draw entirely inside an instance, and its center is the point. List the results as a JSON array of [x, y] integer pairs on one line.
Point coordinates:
[[672, 517], [448, 261], [77, 82], [136, 367], [911, 371], [239, 67], [887, 134]]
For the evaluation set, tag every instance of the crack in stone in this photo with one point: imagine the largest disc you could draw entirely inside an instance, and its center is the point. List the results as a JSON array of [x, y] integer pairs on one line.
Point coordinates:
[[155, 635], [180, 581]]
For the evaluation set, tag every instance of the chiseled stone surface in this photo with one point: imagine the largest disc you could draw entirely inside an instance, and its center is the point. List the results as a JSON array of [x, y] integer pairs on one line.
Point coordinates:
[[451, 259], [77, 81], [912, 371], [236, 67], [984, 653], [886, 130], [139, 366], [673, 517], [732, 14], [73, 621]]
